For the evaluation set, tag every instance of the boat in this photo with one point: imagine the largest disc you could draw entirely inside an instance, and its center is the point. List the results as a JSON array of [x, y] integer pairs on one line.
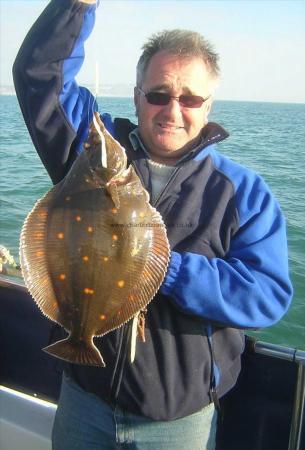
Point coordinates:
[[264, 411]]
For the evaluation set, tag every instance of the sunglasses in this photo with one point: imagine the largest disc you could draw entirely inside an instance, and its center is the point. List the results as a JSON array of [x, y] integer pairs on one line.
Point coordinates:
[[162, 99]]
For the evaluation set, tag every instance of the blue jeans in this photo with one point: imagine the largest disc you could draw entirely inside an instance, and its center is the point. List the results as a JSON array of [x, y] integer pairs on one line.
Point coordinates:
[[84, 422]]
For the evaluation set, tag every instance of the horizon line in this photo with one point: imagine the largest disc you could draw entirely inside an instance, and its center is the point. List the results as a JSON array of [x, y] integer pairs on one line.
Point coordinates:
[[284, 102]]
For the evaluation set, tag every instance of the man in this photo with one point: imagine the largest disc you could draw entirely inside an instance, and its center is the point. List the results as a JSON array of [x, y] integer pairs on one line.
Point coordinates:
[[228, 268]]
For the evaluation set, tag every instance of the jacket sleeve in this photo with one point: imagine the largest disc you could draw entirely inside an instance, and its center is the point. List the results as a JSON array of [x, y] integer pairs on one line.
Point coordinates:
[[57, 112], [250, 287]]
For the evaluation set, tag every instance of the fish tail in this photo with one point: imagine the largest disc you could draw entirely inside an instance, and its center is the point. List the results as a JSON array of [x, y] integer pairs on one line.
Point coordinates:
[[78, 352]]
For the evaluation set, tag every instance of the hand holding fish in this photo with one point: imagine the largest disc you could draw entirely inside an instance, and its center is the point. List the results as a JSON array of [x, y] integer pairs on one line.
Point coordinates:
[[8, 265], [93, 251]]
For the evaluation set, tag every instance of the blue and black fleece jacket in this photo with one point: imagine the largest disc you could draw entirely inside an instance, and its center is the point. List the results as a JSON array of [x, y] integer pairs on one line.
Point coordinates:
[[228, 269]]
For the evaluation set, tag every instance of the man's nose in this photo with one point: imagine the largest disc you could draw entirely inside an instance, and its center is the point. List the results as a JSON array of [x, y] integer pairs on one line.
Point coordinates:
[[173, 107]]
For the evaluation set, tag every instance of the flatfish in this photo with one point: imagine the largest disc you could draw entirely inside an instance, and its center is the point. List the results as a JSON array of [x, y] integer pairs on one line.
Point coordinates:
[[93, 251]]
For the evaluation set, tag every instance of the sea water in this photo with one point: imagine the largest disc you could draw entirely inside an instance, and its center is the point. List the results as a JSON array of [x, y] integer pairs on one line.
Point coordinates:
[[266, 137]]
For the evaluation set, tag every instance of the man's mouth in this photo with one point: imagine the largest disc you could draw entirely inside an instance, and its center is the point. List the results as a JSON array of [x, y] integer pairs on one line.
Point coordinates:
[[169, 126]]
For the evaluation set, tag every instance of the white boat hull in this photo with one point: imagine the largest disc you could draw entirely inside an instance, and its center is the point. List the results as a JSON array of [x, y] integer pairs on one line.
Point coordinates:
[[25, 421]]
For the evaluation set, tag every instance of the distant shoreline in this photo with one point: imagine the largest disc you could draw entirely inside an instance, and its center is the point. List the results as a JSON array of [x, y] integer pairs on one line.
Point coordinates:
[[13, 94], [107, 95]]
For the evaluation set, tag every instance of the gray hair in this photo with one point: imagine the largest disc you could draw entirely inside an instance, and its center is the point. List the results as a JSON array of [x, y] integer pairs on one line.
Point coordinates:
[[183, 43]]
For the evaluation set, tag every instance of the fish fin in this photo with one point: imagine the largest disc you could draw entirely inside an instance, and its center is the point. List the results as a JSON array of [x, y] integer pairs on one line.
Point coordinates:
[[78, 352], [33, 259], [149, 280], [155, 268]]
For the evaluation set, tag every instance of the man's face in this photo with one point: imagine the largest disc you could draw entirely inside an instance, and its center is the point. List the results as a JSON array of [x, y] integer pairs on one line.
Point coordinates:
[[169, 131]]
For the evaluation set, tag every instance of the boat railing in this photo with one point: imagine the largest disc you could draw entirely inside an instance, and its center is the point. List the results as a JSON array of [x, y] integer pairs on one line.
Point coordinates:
[[298, 357], [6, 282]]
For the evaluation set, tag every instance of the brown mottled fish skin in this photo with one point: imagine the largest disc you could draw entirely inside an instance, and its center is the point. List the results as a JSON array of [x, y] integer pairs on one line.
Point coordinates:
[[93, 251]]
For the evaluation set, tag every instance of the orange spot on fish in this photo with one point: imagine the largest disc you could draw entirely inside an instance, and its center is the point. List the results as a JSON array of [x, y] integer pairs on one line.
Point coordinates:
[[142, 214], [121, 283], [114, 210], [115, 237], [39, 253], [88, 291], [86, 258], [78, 218], [90, 229], [60, 235], [105, 258], [131, 297], [62, 276], [39, 234], [102, 317]]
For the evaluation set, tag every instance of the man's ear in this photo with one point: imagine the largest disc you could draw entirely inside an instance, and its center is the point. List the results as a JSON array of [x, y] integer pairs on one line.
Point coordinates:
[[136, 99]]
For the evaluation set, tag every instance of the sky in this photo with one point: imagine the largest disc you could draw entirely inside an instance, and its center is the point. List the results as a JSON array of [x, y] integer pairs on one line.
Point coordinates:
[[261, 43]]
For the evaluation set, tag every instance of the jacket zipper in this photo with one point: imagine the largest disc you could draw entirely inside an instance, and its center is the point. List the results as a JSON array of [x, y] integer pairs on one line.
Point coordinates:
[[169, 181], [174, 174], [113, 387], [119, 362], [165, 189]]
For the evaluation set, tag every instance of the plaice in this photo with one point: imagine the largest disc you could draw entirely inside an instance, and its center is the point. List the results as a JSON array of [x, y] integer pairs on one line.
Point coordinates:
[[93, 251]]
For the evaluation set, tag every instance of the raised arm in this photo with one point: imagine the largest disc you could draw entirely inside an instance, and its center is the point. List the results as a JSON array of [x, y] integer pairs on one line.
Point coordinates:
[[56, 110]]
